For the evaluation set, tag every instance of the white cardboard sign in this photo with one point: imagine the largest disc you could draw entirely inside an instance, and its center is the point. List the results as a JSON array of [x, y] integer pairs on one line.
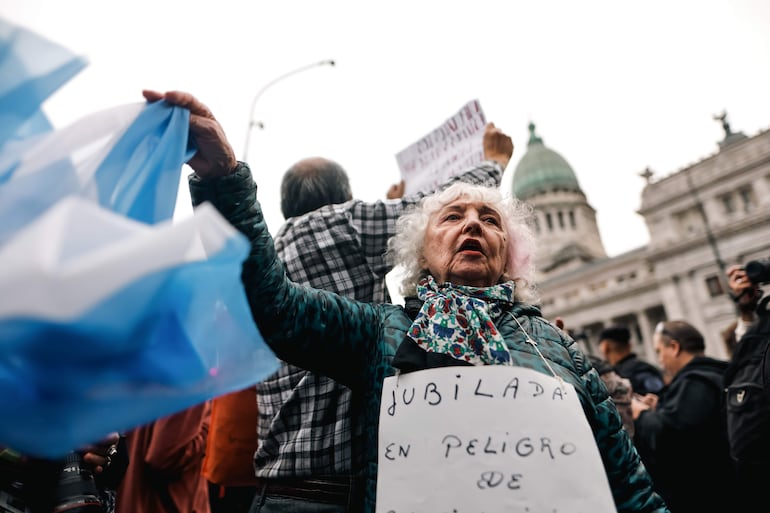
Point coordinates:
[[453, 147], [489, 439]]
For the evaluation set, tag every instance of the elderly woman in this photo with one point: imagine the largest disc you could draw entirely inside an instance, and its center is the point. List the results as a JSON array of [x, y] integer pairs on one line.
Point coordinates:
[[467, 257]]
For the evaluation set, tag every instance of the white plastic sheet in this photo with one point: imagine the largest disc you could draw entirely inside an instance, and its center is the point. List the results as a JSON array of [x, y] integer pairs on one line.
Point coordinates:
[[110, 314], [110, 323], [31, 69]]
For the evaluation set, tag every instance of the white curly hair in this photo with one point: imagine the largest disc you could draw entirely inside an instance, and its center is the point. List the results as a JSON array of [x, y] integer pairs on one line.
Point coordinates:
[[406, 247]]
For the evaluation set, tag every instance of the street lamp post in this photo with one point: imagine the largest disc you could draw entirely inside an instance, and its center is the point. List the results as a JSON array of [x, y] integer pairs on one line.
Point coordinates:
[[252, 122]]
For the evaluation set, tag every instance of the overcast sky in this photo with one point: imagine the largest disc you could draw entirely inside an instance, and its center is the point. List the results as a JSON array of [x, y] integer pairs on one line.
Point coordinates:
[[612, 86]]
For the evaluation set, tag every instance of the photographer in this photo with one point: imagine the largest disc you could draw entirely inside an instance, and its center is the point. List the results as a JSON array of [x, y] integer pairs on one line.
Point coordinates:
[[747, 395], [745, 294], [83, 481]]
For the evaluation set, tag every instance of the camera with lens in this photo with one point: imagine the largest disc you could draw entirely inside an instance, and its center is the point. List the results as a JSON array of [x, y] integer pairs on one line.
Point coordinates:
[[30, 485], [76, 490], [758, 271]]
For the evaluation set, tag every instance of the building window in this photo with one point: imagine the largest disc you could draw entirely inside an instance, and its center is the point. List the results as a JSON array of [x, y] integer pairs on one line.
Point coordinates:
[[549, 221], [714, 286], [727, 203], [572, 219], [536, 224], [560, 215], [747, 197], [598, 286]]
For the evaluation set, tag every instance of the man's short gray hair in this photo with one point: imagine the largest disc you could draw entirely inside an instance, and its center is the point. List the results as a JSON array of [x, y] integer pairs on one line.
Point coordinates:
[[406, 247], [313, 183]]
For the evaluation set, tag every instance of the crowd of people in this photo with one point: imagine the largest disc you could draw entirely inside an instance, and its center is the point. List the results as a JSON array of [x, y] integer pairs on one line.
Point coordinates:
[[306, 439]]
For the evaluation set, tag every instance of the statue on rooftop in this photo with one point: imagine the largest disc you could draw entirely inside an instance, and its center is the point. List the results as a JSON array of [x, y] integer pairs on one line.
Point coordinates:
[[725, 124], [647, 174]]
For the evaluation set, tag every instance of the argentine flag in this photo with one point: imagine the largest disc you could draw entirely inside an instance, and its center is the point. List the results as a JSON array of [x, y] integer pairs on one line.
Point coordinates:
[[111, 314]]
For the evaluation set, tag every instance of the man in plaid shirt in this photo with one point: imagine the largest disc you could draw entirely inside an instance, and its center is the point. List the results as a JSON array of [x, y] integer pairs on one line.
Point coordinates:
[[309, 452]]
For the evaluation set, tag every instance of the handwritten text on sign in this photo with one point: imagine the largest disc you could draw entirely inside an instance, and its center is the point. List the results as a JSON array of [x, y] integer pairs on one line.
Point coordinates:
[[448, 150], [486, 439]]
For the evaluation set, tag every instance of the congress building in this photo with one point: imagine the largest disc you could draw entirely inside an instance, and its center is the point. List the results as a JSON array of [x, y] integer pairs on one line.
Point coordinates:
[[700, 219]]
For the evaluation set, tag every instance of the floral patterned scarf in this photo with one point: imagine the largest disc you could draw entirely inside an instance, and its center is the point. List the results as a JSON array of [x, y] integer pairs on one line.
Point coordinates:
[[459, 321]]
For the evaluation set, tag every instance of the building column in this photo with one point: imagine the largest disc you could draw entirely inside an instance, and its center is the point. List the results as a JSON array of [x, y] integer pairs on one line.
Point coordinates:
[[672, 298], [761, 188], [693, 298], [644, 325]]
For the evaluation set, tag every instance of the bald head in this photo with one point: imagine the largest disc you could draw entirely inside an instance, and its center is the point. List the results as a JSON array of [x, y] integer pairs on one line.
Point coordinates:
[[311, 184]]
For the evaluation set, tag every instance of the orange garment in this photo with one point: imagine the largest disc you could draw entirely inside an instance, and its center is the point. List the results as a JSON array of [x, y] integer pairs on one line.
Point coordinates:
[[232, 439], [164, 470]]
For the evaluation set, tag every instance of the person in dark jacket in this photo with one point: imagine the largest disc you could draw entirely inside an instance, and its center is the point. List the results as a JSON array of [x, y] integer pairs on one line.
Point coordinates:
[[615, 345], [467, 255], [746, 296], [681, 433], [747, 387]]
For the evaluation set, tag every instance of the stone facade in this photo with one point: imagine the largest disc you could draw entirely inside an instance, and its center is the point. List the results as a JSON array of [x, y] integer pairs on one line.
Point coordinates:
[[701, 219]]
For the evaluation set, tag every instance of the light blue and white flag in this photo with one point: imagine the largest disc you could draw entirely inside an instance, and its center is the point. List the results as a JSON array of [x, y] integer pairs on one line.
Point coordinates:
[[127, 159], [32, 68], [108, 323], [111, 315]]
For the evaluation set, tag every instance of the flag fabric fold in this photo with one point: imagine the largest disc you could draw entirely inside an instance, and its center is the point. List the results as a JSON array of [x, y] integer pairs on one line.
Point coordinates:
[[108, 335], [31, 69], [127, 159], [112, 315]]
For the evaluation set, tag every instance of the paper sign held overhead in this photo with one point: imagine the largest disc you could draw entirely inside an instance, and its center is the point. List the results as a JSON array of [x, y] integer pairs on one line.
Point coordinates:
[[451, 148]]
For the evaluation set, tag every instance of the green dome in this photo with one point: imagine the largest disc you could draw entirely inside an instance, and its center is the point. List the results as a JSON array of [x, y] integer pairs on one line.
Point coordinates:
[[541, 170]]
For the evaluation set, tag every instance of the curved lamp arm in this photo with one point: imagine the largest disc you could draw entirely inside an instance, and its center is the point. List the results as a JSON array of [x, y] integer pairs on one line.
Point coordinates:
[[267, 86]]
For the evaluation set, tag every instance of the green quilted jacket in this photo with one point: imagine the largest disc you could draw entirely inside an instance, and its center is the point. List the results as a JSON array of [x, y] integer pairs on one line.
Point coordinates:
[[354, 343]]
